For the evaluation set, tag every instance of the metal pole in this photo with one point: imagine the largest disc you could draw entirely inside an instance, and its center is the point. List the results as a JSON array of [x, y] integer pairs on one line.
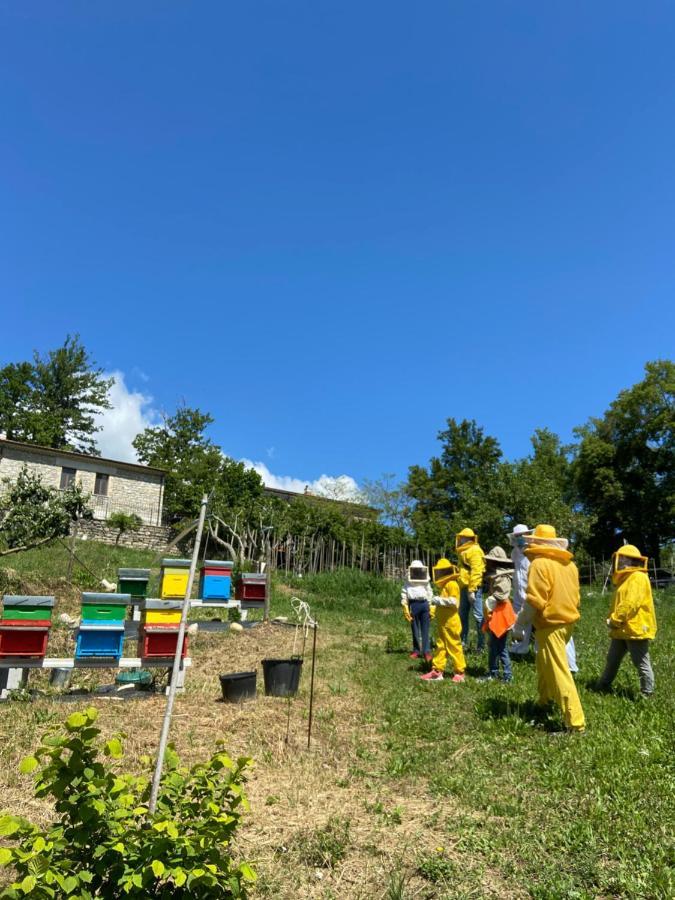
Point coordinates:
[[311, 690], [177, 661]]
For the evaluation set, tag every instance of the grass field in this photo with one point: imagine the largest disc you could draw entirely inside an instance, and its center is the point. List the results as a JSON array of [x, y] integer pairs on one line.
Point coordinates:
[[411, 790]]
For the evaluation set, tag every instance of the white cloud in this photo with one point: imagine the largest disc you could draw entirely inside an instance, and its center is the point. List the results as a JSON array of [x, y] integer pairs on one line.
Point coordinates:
[[342, 487], [131, 412]]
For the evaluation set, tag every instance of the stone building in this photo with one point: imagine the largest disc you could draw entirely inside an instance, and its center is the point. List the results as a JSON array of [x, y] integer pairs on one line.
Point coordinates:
[[113, 486]]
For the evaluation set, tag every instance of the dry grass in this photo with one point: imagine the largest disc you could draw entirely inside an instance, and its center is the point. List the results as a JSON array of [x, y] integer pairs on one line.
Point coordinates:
[[293, 793]]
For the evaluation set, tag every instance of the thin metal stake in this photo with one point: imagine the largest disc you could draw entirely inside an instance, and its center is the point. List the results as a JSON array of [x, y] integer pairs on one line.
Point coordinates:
[[311, 689], [177, 662]]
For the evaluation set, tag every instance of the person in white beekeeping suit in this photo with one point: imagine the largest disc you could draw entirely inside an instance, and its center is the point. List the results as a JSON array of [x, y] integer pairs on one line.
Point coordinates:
[[521, 565], [522, 633]]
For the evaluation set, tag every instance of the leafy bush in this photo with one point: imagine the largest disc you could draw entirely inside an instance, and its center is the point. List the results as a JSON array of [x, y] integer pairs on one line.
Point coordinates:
[[105, 843], [31, 513]]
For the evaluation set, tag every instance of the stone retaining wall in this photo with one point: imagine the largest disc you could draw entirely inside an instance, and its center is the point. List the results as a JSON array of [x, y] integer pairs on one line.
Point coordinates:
[[148, 537]]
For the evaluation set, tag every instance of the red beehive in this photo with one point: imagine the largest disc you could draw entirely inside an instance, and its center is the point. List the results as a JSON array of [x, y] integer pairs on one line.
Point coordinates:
[[19, 639], [160, 641], [252, 587]]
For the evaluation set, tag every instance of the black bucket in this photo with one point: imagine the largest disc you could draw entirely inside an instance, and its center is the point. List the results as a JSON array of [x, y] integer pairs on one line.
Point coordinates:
[[282, 676], [238, 686]]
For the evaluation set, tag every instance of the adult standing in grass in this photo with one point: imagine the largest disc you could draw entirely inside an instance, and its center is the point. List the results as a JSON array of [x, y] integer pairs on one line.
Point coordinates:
[[471, 568], [632, 620], [521, 566], [553, 593]]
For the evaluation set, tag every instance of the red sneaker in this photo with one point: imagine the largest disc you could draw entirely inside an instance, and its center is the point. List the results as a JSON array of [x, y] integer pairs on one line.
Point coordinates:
[[428, 657], [432, 676], [459, 678], [414, 655]]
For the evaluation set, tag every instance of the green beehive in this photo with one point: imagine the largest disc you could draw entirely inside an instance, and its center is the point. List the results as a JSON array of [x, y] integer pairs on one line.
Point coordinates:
[[133, 582], [16, 607], [104, 607]]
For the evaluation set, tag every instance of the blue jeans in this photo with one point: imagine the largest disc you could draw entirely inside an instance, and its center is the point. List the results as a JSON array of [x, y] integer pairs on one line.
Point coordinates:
[[497, 653], [465, 613], [419, 610]]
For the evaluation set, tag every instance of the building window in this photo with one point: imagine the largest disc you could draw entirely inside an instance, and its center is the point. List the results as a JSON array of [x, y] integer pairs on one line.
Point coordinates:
[[67, 478], [101, 485]]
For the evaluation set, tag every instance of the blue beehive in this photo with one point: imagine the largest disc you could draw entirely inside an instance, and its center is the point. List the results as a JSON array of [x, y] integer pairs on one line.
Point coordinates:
[[99, 640], [216, 580]]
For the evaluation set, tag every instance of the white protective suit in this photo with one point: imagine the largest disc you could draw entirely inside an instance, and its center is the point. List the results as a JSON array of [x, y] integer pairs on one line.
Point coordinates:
[[521, 565]]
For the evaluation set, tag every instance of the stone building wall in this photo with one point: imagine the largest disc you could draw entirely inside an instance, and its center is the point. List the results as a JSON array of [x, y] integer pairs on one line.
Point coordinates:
[[130, 490]]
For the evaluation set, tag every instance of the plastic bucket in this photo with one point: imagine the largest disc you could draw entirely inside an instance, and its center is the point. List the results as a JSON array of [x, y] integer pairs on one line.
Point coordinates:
[[282, 676], [238, 686]]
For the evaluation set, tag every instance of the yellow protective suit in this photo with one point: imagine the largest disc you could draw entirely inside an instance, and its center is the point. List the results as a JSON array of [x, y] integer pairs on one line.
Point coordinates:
[[553, 593], [471, 567], [449, 639], [632, 616], [555, 680]]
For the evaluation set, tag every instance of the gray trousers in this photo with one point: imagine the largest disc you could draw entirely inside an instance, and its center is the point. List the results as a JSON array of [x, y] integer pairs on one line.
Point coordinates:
[[639, 653]]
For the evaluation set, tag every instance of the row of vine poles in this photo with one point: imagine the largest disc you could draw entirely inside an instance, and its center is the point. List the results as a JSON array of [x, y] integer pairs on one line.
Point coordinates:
[[309, 553]]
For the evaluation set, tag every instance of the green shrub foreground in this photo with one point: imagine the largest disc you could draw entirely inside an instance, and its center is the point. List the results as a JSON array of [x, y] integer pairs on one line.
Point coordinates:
[[104, 843]]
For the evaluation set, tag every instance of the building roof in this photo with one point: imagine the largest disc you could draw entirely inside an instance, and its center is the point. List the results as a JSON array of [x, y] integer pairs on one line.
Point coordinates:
[[71, 454]]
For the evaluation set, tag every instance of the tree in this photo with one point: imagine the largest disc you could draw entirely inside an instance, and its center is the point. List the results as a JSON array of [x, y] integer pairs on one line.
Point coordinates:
[[540, 488], [195, 466], [460, 487], [123, 523], [389, 499], [624, 466], [53, 401], [32, 514]]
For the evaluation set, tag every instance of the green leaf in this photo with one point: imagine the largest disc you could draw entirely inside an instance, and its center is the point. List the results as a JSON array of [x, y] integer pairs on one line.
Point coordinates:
[[179, 877], [5, 856], [114, 748], [28, 765], [91, 713], [157, 867], [70, 884], [247, 872], [9, 825], [77, 720], [28, 884]]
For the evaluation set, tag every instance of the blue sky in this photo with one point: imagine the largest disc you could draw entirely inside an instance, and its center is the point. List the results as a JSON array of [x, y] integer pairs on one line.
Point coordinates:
[[334, 225]]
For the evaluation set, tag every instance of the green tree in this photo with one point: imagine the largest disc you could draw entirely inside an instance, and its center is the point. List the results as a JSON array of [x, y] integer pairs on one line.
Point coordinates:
[[123, 523], [540, 488], [459, 488], [624, 466], [196, 466], [16, 401], [53, 401]]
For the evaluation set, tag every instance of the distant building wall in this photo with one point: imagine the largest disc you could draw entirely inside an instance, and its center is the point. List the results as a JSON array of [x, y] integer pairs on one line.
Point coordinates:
[[127, 488]]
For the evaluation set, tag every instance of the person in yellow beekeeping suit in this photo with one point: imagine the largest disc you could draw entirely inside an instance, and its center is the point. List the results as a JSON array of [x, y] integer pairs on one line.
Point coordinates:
[[632, 620], [553, 593], [471, 568], [449, 641]]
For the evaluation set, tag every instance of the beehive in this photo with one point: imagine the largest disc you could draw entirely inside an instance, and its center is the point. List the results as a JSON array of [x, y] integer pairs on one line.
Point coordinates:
[[174, 576], [161, 612], [32, 609], [215, 582], [100, 640], [133, 582], [104, 608]]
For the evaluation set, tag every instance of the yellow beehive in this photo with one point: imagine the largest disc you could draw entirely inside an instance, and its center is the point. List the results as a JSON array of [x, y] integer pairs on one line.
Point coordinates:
[[174, 578]]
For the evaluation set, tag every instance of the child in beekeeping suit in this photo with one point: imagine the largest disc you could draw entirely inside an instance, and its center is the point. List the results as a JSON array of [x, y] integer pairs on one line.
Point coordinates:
[[632, 620], [449, 641], [471, 568], [416, 597], [498, 615]]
